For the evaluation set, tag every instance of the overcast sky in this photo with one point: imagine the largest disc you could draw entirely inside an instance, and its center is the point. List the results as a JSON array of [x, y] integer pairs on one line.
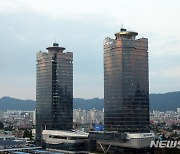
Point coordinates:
[[80, 26]]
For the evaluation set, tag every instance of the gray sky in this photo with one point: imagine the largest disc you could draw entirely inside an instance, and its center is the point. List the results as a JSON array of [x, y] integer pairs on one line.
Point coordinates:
[[80, 26]]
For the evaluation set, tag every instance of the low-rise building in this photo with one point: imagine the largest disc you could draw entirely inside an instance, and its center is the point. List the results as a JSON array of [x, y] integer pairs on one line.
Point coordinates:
[[9, 142], [65, 141], [115, 142]]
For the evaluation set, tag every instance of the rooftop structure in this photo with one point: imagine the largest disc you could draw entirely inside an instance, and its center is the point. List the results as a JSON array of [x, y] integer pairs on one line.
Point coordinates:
[[65, 141]]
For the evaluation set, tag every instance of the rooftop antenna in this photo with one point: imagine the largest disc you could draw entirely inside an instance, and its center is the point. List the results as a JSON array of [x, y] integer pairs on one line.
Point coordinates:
[[122, 25], [55, 44], [122, 28]]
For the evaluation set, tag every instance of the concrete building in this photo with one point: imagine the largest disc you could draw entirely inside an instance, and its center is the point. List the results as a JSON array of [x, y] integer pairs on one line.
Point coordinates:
[[65, 141], [54, 90], [10, 142], [34, 117], [1, 115], [89, 117], [115, 142]]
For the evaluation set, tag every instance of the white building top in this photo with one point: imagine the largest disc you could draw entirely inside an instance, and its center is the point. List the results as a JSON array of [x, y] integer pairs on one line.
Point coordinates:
[[139, 135], [65, 133]]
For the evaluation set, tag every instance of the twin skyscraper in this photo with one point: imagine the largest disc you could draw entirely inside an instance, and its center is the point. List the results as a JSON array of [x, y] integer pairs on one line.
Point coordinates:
[[126, 83], [126, 86], [54, 90]]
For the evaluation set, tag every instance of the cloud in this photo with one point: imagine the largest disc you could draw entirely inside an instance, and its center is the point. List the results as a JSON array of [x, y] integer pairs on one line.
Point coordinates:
[[83, 88], [9, 6], [56, 8], [165, 79], [17, 86], [80, 26], [172, 72]]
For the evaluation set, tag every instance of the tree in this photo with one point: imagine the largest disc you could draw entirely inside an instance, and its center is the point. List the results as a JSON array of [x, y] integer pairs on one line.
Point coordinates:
[[8, 128], [27, 133], [1, 125]]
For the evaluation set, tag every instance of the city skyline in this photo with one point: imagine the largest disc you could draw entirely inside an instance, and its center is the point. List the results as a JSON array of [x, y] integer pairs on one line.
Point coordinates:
[[27, 27]]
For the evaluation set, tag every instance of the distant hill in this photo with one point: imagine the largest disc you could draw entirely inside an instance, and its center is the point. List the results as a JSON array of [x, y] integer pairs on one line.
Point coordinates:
[[162, 102], [8, 103], [165, 102], [88, 104]]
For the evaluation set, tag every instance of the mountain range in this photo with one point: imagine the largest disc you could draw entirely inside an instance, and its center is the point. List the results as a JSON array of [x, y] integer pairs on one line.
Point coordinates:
[[162, 102]]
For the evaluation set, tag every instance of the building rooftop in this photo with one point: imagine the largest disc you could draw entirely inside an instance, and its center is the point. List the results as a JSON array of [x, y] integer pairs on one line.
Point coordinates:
[[124, 34], [65, 133], [55, 47], [6, 135]]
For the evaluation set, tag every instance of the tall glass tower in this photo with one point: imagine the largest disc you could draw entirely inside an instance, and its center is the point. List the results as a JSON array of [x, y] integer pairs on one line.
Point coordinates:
[[54, 90], [126, 83]]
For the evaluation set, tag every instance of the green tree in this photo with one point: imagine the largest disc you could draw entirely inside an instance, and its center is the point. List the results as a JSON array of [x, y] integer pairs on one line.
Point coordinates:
[[8, 128], [1, 125], [27, 133]]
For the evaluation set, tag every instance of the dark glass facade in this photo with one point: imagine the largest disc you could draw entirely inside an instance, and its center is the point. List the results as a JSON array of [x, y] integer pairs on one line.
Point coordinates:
[[126, 83], [54, 90]]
